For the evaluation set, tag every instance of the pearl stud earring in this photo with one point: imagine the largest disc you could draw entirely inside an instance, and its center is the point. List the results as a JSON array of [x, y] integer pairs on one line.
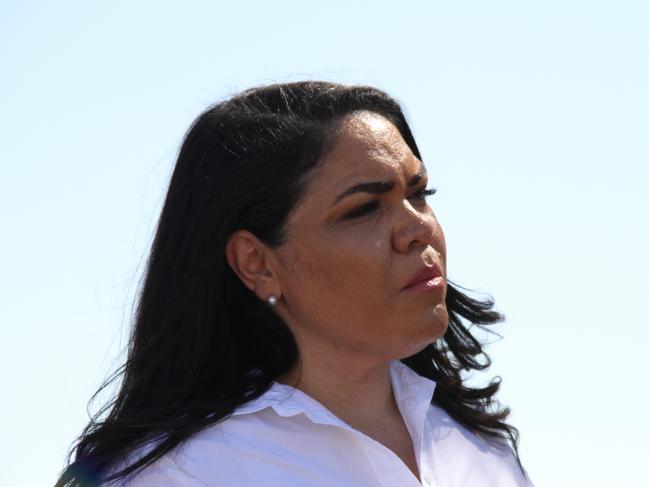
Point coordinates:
[[272, 300]]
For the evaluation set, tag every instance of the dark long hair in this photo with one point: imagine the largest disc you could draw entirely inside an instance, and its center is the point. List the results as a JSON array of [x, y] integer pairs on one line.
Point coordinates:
[[202, 343]]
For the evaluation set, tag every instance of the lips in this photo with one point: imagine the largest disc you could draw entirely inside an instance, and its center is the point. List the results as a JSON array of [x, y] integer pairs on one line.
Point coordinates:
[[424, 274]]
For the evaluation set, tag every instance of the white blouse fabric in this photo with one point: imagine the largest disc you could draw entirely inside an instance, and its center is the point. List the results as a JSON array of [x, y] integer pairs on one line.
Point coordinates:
[[286, 438]]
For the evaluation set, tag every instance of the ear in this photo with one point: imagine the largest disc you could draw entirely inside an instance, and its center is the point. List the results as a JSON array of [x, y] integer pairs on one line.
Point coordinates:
[[248, 258]]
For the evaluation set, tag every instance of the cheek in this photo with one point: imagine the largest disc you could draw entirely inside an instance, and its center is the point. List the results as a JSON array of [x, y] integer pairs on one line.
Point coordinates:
[[330, 271], [440, 245]]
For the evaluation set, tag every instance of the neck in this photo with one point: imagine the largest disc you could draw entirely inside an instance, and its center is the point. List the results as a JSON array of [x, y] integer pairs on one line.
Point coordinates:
[[358, 392]]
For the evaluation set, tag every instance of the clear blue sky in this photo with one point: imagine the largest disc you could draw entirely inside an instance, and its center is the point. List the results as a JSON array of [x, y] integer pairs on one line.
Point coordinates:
[[533, 120]]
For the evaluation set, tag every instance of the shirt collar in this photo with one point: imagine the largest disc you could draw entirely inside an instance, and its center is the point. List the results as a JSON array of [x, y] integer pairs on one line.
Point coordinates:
[[413, 394]]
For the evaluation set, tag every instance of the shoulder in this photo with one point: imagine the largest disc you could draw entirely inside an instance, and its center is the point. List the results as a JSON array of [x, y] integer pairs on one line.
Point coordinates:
[[166, 471], [221, 454]]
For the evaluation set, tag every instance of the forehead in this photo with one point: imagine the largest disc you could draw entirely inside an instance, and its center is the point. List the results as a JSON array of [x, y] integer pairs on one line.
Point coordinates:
[[367, 148], [366, 142]]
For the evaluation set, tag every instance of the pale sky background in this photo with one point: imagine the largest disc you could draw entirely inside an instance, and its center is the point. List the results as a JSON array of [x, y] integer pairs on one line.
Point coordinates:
[[533, 121]]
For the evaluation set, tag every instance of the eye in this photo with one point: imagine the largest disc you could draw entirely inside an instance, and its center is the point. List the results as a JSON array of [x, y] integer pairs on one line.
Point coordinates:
[[421, 194], [373, 205], [363, 210]]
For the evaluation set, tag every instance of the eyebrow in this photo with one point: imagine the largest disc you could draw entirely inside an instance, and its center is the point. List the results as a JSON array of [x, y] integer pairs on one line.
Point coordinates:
[[379, 187]]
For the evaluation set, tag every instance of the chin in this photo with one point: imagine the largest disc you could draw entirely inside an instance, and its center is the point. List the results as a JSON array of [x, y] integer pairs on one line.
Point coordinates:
[[429, 333], [415, 350]]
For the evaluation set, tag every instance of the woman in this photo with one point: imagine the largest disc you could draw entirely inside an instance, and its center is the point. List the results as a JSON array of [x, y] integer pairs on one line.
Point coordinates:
[[296, 325]]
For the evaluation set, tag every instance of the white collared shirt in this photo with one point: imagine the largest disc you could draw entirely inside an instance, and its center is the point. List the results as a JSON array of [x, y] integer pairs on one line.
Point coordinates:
[[286, 438]]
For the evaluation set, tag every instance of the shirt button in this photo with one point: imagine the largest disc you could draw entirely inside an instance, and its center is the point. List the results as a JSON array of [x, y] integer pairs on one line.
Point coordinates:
[[428, 481]]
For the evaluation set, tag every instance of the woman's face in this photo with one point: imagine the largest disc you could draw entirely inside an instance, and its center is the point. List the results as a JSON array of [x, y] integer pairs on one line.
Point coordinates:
[[349, 255]]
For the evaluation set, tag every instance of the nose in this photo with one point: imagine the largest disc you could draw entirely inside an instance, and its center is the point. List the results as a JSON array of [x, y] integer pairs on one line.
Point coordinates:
[[412, 228]]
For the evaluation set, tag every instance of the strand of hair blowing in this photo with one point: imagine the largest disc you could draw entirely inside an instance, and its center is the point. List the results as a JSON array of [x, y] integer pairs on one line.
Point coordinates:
[[202, 344]]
